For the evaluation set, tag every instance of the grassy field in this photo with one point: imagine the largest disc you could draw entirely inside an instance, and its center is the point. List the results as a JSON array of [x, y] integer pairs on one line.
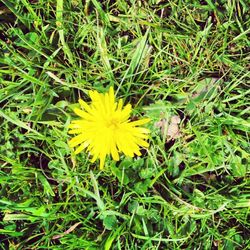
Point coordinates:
[[183, 64]]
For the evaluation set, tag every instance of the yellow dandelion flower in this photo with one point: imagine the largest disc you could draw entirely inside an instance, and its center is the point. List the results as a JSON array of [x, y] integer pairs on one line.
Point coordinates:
[[104, 128]]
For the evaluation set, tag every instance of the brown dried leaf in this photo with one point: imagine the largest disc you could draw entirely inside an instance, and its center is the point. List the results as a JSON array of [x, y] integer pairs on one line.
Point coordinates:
[[170, 128], [173, 128]]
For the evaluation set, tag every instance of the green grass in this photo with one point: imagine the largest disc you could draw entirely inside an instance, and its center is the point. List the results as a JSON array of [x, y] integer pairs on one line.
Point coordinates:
[[184, 58]]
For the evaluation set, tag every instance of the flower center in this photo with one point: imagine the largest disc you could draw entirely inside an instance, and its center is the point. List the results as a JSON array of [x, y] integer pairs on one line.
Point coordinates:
[[112, 123]]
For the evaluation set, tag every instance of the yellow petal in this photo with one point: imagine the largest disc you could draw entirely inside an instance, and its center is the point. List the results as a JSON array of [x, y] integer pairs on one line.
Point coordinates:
[[73, 126], [77, 140], [75, 131], [113, 149], [83, 114], [111, 96], [141, 142], [81, 147], [85, 106], [119, 106], [102, 160], [140, 122]]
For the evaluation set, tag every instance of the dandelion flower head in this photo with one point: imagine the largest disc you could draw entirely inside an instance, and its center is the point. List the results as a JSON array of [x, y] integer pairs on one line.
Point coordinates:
[[104, 128]]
